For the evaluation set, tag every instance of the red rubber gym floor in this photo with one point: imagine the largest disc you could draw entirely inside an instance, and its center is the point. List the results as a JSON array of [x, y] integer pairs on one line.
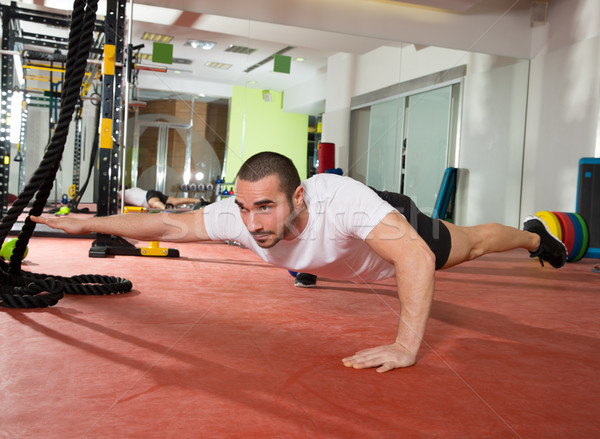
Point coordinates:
[[218, 344]]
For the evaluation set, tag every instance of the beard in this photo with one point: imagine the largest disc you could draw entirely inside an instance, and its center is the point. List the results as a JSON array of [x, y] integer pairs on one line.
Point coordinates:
[[289, 230]]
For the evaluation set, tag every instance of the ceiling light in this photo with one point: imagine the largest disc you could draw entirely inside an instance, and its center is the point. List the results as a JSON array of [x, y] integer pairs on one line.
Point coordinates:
[[240, 49], [299, 59], [218, 65], [159, 38], [200, 44]]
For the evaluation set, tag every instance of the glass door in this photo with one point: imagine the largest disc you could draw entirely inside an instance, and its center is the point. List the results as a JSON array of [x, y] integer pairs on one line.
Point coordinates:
[[384, 156], [428, 118]]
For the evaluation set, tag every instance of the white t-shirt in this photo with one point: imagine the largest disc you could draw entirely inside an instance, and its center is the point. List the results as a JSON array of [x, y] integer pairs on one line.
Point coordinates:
[[136, 197], [341, 212]]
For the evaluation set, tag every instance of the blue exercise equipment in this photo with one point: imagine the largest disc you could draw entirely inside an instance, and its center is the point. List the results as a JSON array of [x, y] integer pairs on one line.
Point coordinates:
[[588, 194], [444, 206]]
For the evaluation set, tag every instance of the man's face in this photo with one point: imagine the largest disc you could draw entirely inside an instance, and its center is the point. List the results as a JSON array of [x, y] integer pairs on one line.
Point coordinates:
[[265, 210]]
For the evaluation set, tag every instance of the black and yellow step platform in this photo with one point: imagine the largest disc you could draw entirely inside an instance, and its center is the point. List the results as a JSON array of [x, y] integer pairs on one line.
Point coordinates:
[[106, 245]]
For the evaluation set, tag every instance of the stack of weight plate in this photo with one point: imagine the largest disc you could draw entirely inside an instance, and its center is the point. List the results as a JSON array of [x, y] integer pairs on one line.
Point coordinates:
[[571, 229]]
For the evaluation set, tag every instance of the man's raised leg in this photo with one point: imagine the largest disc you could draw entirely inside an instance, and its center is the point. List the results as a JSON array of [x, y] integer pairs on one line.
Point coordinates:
[[472, 242]]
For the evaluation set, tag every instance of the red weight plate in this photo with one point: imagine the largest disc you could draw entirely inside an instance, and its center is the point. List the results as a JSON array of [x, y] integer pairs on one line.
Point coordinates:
[[578, 237], [568, 232]]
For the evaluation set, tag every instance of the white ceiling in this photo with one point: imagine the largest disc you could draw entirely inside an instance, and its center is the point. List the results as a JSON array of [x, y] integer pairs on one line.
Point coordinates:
[[460, 6], [316, 29], [499, 27]]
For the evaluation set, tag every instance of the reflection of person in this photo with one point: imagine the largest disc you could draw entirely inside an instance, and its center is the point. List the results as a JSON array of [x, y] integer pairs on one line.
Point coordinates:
[[154, 199], [336, 227]]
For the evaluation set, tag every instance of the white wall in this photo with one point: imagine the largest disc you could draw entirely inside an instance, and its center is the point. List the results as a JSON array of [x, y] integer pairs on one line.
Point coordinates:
[[336, 119], [563, 112], [569, 22], [379, 68], [308, 97], [491, 145]]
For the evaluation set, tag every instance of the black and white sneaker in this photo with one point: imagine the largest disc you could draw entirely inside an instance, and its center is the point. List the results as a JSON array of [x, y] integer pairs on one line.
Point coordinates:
[[305, 280], [551, 248]]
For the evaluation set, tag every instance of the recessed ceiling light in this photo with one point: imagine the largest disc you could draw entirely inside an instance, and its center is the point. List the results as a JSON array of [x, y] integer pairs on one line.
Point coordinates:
[[159, 38], [218, 65], [299, 59], [200, 44], [240, 49]]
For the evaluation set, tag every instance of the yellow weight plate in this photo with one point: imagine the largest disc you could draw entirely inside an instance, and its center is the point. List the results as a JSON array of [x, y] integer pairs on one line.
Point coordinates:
[[551, 222]]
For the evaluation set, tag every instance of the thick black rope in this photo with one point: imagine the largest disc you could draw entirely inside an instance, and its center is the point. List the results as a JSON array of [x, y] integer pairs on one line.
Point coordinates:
[[20, 289]]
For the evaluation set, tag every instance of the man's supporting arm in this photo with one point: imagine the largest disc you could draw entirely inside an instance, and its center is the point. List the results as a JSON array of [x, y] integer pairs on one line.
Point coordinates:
[[399, 244]]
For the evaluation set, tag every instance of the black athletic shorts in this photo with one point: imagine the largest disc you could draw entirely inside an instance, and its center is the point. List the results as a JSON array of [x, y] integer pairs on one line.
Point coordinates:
[[433, 231], [156, 194]]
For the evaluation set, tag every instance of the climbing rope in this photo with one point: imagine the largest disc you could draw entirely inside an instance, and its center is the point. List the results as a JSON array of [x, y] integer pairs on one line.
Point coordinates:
[[22, 289]]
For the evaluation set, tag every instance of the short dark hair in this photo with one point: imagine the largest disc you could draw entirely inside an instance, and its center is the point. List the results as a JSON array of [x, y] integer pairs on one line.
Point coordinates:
[[267, 163]]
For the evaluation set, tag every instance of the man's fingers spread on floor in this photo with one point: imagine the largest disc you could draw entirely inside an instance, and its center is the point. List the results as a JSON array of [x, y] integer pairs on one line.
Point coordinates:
[[368, 352], [386, 367], [362, 362]]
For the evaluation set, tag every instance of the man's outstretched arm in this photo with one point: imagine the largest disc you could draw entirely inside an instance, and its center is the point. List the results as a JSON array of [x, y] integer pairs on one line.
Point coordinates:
[[183, 227], [399, 244]]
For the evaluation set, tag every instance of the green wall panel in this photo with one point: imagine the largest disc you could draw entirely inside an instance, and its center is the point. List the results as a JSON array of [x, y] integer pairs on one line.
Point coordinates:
[[256, 125]]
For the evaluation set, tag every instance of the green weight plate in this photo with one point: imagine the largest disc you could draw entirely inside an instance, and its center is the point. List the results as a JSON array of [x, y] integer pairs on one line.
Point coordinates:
[[578, 241], [585, 242]]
